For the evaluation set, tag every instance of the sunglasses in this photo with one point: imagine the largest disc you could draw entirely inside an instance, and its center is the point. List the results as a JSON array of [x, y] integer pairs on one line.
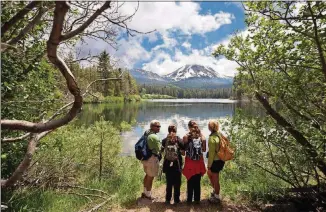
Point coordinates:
[[157, 126]]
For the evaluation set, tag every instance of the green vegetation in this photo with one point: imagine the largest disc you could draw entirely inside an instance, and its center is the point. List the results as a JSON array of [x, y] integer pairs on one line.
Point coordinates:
[[283, 66], [86, 157], [157, 96], [176, 92]]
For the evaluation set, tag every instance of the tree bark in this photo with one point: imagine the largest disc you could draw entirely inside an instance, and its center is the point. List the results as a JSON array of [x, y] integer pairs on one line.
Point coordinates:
[[35, 138], [61, 8], [80, 29]]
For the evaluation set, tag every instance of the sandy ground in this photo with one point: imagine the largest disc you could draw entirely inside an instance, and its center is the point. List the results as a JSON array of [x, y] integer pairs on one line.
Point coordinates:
[[158, 205]]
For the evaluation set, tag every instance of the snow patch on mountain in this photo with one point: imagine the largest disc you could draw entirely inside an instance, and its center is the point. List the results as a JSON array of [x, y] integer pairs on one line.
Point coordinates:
[[194, 71]]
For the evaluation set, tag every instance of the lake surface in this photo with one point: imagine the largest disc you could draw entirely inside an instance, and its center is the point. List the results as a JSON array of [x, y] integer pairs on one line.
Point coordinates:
[[176, 111]]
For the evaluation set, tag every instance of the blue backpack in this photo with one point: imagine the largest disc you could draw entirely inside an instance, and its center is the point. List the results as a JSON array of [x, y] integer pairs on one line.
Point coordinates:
[[141, 148]]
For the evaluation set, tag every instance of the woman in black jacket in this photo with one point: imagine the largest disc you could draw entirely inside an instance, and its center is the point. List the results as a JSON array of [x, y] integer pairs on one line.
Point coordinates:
[[172, 165]]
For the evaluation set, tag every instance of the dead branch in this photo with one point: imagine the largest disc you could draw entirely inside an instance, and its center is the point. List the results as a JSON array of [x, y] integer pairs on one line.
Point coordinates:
[[35, 138], [97, 206], [11, 140], [81, 195], [80, 187], [80, 29], [7, 25]]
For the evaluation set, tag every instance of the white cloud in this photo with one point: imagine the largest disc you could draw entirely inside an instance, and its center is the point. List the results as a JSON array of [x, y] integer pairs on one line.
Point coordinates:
[[163, 63], [187, 45], [130, 52], [168, 15]]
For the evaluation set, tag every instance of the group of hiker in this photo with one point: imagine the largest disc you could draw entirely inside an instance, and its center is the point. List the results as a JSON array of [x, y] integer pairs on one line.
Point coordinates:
[[149, 150]]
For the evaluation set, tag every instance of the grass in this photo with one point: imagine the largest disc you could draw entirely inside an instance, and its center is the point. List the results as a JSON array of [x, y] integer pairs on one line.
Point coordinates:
[[111, 99], [157, 96]]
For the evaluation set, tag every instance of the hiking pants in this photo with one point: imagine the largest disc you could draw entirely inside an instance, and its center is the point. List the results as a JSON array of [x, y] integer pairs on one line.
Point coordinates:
[[193, 188], [173, 180]]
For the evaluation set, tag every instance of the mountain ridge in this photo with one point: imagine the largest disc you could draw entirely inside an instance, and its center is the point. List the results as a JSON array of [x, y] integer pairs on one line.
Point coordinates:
[[187, 76]]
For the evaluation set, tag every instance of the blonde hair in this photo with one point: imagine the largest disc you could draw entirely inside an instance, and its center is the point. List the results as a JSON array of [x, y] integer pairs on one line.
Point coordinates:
[[154, 122], [214, 125]]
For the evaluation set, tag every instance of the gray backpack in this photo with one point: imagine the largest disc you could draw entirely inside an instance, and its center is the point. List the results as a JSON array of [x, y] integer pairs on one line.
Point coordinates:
[[194, 150], [171, 151]]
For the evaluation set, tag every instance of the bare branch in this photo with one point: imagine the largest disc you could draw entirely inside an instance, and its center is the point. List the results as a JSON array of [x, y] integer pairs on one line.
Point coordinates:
[[7, 25], [26, 161], [97, 206], [10, 140], [80, 187], [71, 34]]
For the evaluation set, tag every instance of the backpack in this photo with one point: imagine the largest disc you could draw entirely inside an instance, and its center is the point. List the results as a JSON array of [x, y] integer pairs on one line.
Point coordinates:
[[141, 148], [195, 148], [225, 151], [171, 150]]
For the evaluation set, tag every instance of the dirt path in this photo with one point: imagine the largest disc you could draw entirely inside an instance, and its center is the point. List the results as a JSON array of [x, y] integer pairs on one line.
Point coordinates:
[[159, 206]]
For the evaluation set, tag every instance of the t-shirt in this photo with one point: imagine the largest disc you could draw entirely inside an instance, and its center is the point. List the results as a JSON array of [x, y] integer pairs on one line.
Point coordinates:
[[213, 147], [154, 143]]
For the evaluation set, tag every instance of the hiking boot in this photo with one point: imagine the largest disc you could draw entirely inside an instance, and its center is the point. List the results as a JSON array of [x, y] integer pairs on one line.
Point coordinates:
[[143, 195], [167, 202], [214, 200]]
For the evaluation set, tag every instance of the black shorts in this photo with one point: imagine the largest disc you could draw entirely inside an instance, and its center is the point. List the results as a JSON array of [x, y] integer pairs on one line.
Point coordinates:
[[217, 166]]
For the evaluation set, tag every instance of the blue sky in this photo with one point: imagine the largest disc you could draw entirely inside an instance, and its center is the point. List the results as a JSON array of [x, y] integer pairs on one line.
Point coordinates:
[[186, 32]]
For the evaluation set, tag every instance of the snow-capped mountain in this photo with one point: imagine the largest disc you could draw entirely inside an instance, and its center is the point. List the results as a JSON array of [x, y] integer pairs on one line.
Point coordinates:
[[193, 71], [188, 76]]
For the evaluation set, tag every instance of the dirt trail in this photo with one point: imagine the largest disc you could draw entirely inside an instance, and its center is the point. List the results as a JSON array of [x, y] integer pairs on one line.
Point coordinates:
[[159, 204]]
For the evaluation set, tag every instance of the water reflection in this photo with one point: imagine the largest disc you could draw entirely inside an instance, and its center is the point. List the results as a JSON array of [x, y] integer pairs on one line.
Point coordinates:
[[178, 113]]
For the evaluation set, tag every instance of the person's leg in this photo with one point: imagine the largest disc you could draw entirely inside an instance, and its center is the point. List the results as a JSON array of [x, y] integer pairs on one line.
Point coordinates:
[[169, 184], [210, 176], [177, 185], [152, 171], [216, 183], [197, 187], [190, 189], [149, 183]]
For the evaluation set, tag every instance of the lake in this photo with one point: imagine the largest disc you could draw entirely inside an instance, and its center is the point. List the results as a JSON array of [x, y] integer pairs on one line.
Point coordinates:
[[166, 111]]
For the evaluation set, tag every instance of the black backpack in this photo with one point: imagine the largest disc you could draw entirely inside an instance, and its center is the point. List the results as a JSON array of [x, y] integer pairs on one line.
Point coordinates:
[[141, 148], [194, 150]]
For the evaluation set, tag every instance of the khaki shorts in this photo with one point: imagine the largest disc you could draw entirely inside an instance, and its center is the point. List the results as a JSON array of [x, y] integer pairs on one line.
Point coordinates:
[[151, 166]]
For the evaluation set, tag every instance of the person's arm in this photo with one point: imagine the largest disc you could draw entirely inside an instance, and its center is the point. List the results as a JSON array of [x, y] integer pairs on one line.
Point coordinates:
[[203, 143], [154, 144], [163, 145], [185, 142], [212, 149]]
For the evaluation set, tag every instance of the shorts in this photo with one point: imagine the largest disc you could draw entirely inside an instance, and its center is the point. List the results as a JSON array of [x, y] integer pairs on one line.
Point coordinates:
[[217, 166], [151, 166]]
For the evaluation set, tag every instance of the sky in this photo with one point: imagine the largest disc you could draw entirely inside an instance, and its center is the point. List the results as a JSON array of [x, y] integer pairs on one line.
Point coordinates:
[[186, 33]]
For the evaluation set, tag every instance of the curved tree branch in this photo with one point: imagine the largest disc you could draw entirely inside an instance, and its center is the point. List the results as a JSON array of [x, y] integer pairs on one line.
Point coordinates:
[[7, 25], [61, 8], [26, 161], [80, 29]]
